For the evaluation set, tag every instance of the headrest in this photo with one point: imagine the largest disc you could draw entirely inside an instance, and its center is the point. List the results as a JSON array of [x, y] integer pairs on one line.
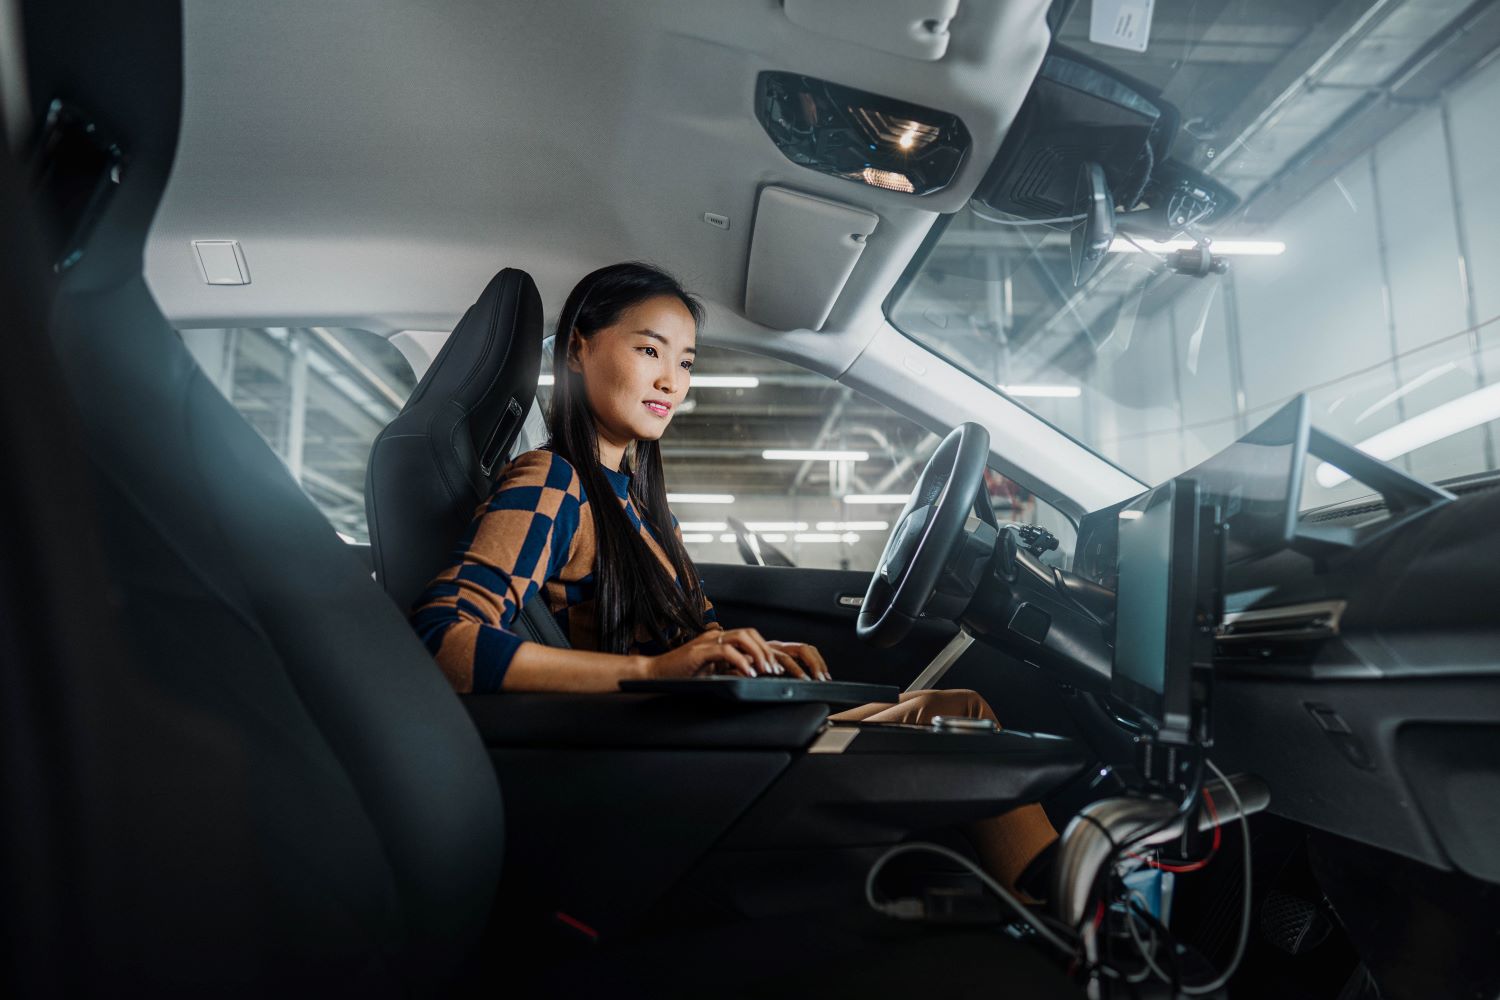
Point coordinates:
[[116, 67], [437, 460]]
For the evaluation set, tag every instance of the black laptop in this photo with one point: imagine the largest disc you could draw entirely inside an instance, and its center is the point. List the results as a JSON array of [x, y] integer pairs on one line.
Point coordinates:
[[769, 689]]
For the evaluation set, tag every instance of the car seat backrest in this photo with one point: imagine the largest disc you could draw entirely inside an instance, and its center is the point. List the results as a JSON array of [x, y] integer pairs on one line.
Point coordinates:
[[433, 465], [306, 807]]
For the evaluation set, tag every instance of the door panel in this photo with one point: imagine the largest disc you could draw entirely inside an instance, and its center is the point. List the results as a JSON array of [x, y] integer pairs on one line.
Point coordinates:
[[804, 605]]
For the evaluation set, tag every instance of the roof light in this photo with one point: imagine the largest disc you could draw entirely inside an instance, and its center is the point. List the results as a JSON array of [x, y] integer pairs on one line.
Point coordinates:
[[1043, 391], [759, 526], [813, 455], [860, 136], [700, 498], [891, 180], [724, 382], [702, 525], [874, 498], [853, 525], [848, 538], [697, 381], [1440, 422], [1220, 248], [696, 539]]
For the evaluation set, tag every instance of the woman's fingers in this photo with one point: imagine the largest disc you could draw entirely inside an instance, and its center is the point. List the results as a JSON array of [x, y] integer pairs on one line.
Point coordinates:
[[808, 656], [789, 665], [759, 651]]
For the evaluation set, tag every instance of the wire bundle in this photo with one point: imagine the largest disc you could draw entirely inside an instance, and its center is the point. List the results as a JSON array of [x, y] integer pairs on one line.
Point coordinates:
[[1080, 943]]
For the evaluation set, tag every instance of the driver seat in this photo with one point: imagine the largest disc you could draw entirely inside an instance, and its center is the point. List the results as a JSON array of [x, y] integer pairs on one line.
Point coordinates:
[[436, 461]]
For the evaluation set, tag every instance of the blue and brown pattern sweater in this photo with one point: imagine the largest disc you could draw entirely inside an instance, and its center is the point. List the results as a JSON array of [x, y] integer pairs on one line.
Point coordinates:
[[536, 531]]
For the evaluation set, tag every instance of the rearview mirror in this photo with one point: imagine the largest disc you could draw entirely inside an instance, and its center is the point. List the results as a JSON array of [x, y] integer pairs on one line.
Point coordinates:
[[1093, 222]]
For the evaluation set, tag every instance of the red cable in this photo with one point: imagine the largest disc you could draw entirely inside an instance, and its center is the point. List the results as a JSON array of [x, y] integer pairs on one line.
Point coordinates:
[[1193, 866]]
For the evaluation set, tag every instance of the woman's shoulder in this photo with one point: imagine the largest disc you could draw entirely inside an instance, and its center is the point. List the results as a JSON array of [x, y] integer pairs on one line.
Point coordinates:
[[540, 469]]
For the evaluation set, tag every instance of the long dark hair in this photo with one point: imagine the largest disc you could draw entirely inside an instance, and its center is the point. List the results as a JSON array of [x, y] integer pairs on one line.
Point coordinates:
[[632, 585]]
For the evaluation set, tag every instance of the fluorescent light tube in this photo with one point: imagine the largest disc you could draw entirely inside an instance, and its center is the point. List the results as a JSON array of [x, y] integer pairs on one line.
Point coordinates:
[[695, 381], [853, 525], [724, 381], [700, 498], [702, 525], [873, 498], [758, 526], [796, 455], [1446, 420], [1043, 391], [1221, 248], [826, 536], [696, 538]]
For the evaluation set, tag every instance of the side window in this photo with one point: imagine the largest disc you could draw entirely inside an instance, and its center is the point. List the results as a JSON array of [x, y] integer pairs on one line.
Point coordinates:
[[814, 471], [318, 396]]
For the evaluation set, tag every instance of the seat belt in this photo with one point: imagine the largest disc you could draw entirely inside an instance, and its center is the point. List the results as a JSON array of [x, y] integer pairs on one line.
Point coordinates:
[[535, 622]]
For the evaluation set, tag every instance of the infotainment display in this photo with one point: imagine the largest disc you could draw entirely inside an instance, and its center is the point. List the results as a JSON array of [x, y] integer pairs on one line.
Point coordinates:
[[1165, 610], [1257, 483]]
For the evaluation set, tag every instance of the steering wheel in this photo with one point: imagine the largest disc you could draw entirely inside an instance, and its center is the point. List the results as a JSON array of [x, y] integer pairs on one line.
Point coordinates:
[[930, 526]]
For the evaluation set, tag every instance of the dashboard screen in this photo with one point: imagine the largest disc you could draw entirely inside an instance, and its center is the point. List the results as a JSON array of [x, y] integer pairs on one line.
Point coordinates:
[[1157, 607], [1257, 482], [1145, 579]]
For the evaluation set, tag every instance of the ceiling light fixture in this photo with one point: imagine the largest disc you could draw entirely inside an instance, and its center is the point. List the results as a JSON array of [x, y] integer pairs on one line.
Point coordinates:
[[853, 525], [891, 180], [874, 498], [1220, 248], [759, 526], [696, 539], [860, 136], [702, 525], [696, 382], [813, 455], [1043, 391], [848, 538], [700, 498], [1446, 420]]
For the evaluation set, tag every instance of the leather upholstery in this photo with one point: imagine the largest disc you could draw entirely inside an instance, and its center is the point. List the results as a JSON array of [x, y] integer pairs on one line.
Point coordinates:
[[436, 462], [296, 802]]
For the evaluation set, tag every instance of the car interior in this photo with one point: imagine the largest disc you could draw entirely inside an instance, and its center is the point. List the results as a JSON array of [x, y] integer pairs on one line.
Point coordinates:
[[1103, 357]]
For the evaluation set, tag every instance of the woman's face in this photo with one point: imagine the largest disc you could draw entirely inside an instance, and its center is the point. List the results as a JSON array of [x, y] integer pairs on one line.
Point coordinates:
[[635, 372]]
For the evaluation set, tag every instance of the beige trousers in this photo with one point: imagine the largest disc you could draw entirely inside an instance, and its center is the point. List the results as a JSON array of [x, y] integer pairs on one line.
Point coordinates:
[[1006, 843]]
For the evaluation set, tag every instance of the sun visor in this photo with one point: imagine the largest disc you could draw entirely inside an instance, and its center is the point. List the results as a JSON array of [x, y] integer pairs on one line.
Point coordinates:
[[801, 254]]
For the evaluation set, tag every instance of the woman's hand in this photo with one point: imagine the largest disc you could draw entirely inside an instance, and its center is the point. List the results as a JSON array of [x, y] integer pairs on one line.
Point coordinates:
[[740, 651], [801, 659]]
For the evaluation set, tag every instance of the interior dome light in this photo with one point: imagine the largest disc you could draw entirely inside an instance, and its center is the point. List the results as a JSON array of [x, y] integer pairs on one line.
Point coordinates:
[[860, 136], [888, 179]]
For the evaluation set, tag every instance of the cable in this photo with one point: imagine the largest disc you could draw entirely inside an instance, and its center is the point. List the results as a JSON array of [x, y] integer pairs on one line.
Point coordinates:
[[1183, 868], [1147, 955], [1239, 947], [1005, 896]]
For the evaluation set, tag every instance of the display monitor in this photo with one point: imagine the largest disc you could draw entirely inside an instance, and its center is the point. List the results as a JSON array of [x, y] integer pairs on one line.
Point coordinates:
[[1256, 483], [1166, 607]]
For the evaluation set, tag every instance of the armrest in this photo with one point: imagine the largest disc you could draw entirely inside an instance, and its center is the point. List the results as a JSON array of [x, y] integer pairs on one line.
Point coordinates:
[[641, 721]]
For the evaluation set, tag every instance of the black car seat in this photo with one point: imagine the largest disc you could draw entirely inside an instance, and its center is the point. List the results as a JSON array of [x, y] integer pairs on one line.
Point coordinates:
[[258, 781], [437, 460]]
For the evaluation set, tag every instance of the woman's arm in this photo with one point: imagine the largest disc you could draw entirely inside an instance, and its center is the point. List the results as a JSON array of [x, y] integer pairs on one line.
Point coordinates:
[[535, 667]]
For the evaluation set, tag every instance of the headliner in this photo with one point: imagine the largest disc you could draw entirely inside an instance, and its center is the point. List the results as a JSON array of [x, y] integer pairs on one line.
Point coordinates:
[[379, 160]]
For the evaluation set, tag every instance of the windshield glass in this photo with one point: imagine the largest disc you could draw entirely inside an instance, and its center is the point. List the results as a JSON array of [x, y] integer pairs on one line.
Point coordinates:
[[1363, 266]]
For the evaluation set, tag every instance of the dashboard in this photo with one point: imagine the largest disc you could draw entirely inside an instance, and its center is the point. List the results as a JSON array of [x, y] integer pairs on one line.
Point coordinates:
[[1364, 685]]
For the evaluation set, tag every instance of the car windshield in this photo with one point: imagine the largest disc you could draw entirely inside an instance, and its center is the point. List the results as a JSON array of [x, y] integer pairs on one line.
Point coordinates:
[[1363, 269]]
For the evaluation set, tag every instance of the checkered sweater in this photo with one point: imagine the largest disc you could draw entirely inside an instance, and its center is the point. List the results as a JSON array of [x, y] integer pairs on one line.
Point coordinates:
[[536, 531]]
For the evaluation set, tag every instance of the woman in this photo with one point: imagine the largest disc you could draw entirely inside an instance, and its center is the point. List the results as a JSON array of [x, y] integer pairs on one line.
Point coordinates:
[[615, 573]]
